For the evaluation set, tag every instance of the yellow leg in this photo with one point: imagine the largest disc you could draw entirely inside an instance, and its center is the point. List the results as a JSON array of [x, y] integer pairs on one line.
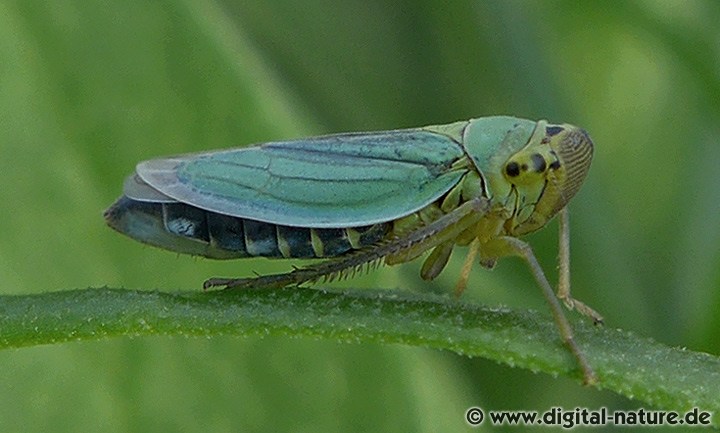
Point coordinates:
[[509, 246], [436, 261], [446, 228], [563, 292], [467, 267]]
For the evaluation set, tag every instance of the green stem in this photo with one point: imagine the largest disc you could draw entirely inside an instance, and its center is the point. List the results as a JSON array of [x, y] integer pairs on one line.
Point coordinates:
[[639, 368]]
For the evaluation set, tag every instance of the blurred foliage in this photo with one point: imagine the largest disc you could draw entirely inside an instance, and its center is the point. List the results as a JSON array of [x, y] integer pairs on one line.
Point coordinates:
[[90, 88]]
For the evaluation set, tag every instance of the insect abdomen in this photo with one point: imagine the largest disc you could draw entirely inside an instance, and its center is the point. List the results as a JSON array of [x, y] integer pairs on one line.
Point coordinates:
[[189, 229]]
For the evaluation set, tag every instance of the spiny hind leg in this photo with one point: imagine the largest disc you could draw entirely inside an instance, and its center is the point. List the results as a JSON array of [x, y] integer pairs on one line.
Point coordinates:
[[274, 281], [563, 291], [399, 250]]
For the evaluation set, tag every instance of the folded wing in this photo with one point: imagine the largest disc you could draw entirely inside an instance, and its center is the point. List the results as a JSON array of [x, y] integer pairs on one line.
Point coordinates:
[[338, 181]]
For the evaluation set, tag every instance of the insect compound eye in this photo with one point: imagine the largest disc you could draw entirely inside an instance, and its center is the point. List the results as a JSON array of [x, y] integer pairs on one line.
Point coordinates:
[[556, 162], [554, 130], [538, 163], [512, 169]]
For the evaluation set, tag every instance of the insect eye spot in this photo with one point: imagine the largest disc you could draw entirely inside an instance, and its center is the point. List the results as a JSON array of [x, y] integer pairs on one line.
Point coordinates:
[[539, 164], [512, 169], [554, 130]]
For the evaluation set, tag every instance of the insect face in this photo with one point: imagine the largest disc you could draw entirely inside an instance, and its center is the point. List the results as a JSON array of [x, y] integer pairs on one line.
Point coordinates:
[[545, 175]]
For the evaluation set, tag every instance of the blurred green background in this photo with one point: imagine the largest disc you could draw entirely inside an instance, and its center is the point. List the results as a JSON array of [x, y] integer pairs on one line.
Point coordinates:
[[87, 89]]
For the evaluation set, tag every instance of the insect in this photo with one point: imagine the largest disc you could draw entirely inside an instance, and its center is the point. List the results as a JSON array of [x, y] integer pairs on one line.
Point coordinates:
[[360, 198]]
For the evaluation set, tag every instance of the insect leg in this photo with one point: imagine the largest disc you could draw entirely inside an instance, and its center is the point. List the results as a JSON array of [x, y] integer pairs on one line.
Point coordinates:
[[405, 248], [563, 292], [509, 246], [436, 261], [467, 267]]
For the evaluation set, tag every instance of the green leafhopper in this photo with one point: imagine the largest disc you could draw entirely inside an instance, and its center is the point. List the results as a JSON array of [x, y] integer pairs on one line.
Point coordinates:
[[360, 198]]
